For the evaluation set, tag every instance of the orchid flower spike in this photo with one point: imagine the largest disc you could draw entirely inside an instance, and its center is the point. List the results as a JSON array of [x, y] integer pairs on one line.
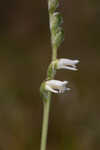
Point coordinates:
[[56, 86], [67, 64]]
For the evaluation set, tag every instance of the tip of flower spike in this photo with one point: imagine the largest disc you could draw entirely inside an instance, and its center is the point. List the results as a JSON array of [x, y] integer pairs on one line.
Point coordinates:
[[53, 4]]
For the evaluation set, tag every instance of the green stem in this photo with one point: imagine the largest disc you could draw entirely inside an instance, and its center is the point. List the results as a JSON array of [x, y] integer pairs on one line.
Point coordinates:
[[47, 102], [54, 53], [45, 123], [47, 110]]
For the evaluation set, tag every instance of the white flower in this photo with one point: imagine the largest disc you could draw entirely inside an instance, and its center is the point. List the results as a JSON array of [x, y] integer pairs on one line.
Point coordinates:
[[67, 64], [56, 86]]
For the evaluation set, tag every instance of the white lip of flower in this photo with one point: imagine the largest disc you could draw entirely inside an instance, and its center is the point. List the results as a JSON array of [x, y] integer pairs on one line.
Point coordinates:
[[67, 64], [56, 86]]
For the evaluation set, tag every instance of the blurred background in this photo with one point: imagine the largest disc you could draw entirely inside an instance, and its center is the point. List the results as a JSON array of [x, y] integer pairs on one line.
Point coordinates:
[[25, 53]]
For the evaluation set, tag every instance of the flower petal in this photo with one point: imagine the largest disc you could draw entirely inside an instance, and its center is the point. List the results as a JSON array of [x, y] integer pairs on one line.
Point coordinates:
[[48, 88]]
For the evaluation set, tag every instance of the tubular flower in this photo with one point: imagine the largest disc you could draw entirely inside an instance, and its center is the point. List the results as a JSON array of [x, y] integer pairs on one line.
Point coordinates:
[[67, 64], [56, 86]]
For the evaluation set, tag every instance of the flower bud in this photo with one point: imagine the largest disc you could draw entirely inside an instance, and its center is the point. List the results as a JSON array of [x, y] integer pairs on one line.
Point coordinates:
[[58, 37], [56, 21], [52, 5]]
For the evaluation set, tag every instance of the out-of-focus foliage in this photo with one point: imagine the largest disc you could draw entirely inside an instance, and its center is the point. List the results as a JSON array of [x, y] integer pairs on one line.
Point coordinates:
[[25, 53]]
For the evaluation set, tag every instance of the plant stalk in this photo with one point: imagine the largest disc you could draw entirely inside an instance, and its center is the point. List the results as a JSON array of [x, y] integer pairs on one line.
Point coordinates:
[[46, 108], [45, 122]]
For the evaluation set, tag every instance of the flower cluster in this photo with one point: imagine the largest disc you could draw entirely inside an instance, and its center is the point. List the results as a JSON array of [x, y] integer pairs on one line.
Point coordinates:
[[57, 36], [56, 86]]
